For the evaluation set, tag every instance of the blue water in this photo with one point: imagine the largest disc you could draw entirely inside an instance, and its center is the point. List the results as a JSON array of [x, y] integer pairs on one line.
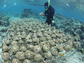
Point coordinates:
[[61, 7]]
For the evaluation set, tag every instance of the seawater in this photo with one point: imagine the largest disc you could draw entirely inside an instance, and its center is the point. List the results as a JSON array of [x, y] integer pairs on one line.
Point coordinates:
[[67, 8]]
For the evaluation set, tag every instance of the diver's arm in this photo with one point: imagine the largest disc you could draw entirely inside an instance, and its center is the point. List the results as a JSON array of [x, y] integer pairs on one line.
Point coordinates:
[[45, 13]]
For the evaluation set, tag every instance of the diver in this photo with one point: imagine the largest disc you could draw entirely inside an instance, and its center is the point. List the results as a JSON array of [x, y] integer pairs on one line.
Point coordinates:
[[49, 13]]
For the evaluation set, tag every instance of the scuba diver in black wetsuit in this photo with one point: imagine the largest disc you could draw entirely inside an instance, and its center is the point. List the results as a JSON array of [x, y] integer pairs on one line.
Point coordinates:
[[49, 13]]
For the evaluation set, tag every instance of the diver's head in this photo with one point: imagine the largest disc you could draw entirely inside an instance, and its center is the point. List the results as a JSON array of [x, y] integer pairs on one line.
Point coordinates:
[[46, 5]]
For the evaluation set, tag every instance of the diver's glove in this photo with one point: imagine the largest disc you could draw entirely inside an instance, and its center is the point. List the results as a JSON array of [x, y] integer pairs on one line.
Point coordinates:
[[53, 21], [42, 14]]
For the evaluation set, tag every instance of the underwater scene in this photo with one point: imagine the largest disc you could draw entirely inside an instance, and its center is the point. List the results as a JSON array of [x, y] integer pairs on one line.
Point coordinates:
[[41, 31]]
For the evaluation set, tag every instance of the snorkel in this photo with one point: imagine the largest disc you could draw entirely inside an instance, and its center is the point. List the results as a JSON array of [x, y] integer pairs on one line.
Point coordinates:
[[48, 5]]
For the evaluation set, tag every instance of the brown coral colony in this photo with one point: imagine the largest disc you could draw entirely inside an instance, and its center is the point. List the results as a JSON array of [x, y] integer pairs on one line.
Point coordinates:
[[31, 41]]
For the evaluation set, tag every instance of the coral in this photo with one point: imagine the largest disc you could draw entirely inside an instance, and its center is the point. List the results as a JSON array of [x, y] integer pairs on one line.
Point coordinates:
[[15, 61], [4, 20], [37, 49], [26, 13], [23, 48], [37, 58], [29, 54], [48, 55], [5, 56], [46, 48], [5, 48], [20, 55], [15, 48], [8, 61], [34, 41], [67, 47], [54, 52], [3, 28], [14, 42], [60, 48], [27, 61], [31, 47], [8, 42], [82, 27]]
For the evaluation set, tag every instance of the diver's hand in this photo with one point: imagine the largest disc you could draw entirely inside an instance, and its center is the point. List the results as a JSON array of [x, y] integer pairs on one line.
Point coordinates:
[[42, 14], [53, 21]]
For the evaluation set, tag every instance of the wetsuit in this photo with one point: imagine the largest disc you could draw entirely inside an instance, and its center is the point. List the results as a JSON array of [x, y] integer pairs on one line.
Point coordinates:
[[49, 14]]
